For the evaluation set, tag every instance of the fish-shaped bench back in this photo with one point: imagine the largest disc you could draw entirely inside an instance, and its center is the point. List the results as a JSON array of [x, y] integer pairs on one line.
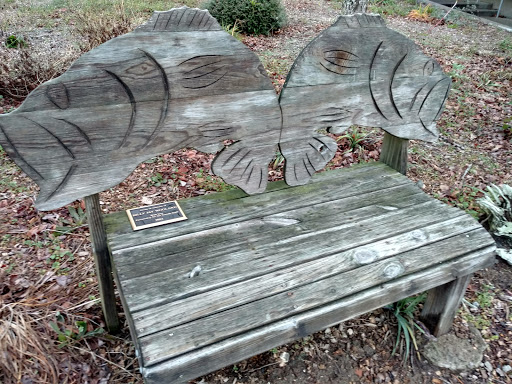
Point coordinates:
[[181, 81]]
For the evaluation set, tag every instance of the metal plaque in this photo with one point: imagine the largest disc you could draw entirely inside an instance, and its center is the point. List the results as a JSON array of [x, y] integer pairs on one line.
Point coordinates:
[[155, 215]]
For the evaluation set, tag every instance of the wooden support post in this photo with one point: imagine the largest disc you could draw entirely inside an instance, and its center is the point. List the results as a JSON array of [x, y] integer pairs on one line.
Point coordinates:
[[394, 152], [102, 261], [442, 303]]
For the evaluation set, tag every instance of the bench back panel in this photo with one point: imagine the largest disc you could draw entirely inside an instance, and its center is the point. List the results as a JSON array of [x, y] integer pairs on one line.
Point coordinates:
[[181, 81]]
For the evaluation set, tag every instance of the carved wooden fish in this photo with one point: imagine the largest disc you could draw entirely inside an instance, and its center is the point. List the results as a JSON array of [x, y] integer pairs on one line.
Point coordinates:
[[177, 81], [357, 72]]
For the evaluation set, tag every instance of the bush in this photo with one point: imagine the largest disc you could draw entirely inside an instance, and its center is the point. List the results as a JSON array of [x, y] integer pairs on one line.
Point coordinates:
[[254, 17]]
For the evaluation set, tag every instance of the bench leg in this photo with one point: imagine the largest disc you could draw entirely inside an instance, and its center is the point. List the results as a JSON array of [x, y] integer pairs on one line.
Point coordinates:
[[102, 261], [394, 152], [442, 303]]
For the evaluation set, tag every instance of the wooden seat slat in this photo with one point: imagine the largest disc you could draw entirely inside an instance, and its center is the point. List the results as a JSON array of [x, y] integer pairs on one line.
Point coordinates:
[[200, 210], [224, 240], [244, 345], [292, 248], [299, 296], [186, 309]]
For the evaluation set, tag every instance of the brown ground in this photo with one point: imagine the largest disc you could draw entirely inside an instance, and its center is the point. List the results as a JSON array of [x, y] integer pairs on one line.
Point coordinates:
[[50, 318]]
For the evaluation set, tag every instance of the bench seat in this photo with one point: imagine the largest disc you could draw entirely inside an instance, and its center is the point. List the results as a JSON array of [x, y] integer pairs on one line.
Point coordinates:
[[281, 265]]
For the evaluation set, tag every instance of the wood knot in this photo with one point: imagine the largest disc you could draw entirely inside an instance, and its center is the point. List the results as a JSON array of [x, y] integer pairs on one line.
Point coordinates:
[[418, 234], [195, 272], [365, 256], [393, 270]]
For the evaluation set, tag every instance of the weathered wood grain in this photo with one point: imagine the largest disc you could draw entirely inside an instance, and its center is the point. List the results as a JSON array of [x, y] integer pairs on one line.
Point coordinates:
[[178, 81], [355, 181], [294, 246], [301, 291], [332, 260], [241, 346], [442, 303], [261, 231], [394, 152], [102, 261], [181, 81], [357, 72]]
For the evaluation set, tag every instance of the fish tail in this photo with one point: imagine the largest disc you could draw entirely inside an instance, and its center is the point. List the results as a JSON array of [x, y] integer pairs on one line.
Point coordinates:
[[305, 157], [243, 166]]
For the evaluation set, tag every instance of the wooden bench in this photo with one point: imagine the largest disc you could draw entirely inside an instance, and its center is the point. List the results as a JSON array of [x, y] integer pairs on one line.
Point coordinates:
[[246, 273]]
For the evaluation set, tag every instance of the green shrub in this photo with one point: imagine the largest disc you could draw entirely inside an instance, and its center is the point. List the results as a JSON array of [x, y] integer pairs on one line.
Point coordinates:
[[254, 17]]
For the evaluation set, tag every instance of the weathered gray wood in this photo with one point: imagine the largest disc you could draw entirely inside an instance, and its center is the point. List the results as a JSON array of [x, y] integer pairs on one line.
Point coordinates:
[[357, 72], [259, 232], [102, 261], [181, 81], [229, 351], [394, 152], [178, 81], [335, 260], [356, 180], [294, 247], [442, 303], [302, 291]]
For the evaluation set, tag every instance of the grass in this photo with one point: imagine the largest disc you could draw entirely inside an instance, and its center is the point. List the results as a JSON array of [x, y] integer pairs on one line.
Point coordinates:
[[506, 46], [392, 7]]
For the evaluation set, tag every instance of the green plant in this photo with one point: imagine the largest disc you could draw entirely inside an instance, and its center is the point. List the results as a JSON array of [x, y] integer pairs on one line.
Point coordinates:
[[423, 13], [211, 183], [58, 258], [254, 17], [77, 219], [485, 296], [157, 180], [233, 30], [403, 311], [278, 160], [67, 335], [354, 138], [14, 41], [497, 204], [506, 45]]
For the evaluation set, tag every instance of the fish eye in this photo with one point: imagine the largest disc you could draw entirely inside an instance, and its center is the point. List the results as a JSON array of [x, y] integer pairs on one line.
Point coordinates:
[[142, 68], [428, 68]]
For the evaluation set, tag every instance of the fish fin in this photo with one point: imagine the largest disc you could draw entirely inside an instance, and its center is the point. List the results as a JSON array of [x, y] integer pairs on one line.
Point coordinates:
[[182, 19], [305, 157], [360, 20], [245, 167], [70, 184]]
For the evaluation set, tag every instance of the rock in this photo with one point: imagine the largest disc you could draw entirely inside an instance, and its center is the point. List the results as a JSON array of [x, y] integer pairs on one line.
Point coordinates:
[[368, 350], [505, 255], [285, 357], [506, 368], [488, 366], [456, 354]]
